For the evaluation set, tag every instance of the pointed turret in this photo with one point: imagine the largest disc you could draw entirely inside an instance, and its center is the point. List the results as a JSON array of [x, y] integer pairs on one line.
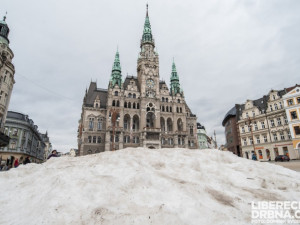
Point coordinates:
[[147, 34], [4, 31], [175, 85], [116, 76]]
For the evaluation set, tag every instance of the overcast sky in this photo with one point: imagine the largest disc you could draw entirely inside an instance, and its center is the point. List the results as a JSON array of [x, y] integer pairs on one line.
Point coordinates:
[[225, 52]]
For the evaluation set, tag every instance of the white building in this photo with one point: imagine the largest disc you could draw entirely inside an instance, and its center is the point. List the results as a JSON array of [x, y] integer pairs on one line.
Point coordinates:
[[291, 102]]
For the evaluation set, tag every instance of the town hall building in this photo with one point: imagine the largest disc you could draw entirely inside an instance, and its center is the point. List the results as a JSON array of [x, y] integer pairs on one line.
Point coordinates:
[[140, 111]]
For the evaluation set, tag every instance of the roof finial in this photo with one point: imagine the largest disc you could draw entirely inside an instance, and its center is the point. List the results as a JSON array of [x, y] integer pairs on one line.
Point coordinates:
[[4, 17], [147, 10]]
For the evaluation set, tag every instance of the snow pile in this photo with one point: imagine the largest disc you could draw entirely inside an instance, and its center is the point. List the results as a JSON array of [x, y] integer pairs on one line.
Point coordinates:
[[143, 186]]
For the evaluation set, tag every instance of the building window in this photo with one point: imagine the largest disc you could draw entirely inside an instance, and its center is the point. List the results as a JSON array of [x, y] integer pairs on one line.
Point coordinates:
[[99, 127], [275, 106], [298, 100], [251, 140], [257, 140], [136, 140], [13, 145], [126, 139], [282, 136], [249, 128], [278, 121], [271, 107], [255, 126], [253, 113], [280, 104], [129, 95], [263, 125], [286, 120], [90, 139], [116, 93], [94, 139], [243, 129], [294, 115], [297, 130], [289, 135], [275, 137], [272, 123], [265, 139], [99, 139], [290, 102], [191, 130], [91, 123], [245, 141], [178, 100], [134, 95], [247, 116], [167, 100], [15, 132], [162, 99]]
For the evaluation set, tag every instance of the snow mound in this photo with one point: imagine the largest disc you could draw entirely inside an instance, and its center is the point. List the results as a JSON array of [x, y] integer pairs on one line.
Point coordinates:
[[143, 186]]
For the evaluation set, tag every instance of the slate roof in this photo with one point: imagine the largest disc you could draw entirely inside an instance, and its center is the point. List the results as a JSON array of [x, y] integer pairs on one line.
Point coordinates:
[[92, 93], [127, 81]]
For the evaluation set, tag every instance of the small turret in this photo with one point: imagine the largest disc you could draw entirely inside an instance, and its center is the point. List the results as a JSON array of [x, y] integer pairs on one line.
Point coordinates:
[[4, 31], [175, 85], [116, 76]]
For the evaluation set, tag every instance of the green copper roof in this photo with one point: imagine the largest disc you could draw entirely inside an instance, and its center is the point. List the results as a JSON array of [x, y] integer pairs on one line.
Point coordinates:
[[147, 34], [117, 65], [175, 85], [116, 76]]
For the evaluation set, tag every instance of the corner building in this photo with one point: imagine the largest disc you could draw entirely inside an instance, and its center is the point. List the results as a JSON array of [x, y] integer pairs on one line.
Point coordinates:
[[140, 111]]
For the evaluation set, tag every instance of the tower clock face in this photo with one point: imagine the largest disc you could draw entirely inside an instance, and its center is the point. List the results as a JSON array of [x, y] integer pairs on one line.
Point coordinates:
[[150, 83]]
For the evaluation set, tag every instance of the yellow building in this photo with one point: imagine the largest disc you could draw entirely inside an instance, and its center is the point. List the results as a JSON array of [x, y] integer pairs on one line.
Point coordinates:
[[292, 107]]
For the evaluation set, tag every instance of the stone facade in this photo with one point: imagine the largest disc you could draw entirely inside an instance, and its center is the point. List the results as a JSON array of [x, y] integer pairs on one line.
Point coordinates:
[[7, 81], [264, 129], [25, 140], [291, 102], [233, 142], [140, 111]]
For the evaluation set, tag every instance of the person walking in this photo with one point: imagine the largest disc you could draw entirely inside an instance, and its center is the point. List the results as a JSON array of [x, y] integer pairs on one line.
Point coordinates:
[[27, 160], [53, 154], [16, 163]]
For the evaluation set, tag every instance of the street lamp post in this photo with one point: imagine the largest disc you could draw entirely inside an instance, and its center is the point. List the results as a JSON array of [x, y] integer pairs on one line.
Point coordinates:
[[114, 117]]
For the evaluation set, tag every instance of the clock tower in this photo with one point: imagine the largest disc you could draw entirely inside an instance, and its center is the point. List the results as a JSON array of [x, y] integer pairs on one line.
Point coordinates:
[[148, 65]]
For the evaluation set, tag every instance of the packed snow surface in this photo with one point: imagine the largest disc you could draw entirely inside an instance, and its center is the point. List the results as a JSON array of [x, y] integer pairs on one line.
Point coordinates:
[[142, 186]]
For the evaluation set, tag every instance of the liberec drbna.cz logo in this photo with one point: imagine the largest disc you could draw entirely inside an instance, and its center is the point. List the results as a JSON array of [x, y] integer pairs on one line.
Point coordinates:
[[275, 212]]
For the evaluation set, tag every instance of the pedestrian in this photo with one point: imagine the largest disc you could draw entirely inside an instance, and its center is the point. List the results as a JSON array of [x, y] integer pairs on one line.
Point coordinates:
[[53, 154], [16, 164], [27, 160]]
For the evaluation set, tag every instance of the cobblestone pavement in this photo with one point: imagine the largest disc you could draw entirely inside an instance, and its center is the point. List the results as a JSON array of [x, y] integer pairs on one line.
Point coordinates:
[[293, 164]]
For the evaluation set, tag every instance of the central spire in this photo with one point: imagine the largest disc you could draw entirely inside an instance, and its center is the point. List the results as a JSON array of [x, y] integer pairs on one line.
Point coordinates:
[[147, 34]]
